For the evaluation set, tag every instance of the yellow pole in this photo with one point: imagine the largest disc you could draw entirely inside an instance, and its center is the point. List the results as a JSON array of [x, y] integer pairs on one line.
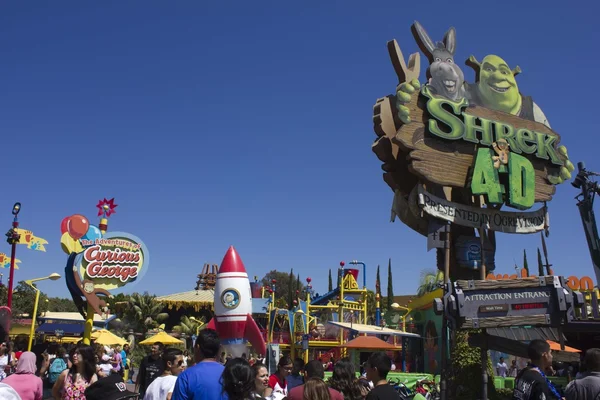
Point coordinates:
[[89, 323], [33, 317]]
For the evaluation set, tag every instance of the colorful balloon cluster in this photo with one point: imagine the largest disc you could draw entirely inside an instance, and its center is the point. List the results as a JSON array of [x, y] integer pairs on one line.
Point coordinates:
[[74, 229]]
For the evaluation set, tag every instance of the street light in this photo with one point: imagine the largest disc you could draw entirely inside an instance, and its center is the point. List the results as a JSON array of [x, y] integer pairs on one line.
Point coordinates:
[[397, 306], [54, 276]]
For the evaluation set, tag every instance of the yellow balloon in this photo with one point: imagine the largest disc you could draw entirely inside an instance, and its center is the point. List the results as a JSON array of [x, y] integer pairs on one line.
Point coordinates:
[[70, 245]]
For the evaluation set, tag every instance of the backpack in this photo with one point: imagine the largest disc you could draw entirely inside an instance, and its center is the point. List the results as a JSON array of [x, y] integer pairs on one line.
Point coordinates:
[[56, 368]]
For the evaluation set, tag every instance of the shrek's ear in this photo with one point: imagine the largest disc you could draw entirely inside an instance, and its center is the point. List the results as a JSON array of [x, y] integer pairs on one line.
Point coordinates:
[[516, 71]]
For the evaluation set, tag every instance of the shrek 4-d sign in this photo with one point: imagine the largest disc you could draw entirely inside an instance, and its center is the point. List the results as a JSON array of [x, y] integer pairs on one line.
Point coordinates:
[[452, 147]]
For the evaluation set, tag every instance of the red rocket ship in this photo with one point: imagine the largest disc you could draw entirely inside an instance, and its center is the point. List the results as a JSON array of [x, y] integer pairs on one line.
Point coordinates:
[[233, 305]]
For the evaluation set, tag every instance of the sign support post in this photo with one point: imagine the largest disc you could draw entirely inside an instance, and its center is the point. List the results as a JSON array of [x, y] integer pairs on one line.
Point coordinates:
[[444, 372]]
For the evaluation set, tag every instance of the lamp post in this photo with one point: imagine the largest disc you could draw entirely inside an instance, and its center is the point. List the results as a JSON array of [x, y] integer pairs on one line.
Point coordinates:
[[396, 306], [54, 276], [12, 237]]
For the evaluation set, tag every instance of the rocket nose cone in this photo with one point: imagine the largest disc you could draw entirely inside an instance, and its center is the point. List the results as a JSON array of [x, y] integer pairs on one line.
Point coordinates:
[[232, 262]]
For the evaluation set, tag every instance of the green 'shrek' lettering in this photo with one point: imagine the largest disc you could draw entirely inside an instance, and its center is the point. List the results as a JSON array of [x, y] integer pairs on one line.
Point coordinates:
[[447, 125], [521, 180]]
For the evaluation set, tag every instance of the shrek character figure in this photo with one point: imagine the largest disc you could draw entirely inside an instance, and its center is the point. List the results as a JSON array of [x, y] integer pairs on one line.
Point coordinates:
[[497, 89]]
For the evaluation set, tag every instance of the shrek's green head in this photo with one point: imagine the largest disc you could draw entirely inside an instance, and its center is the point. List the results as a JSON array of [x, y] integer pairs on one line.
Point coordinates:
[[497, 85]]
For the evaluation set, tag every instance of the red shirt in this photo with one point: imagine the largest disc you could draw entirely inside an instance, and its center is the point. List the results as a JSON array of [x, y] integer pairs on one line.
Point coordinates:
[[297, 393], [277, 385]]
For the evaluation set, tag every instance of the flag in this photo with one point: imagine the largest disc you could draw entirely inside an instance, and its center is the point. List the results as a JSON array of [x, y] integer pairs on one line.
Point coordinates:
[[5, 261], [33, 242]]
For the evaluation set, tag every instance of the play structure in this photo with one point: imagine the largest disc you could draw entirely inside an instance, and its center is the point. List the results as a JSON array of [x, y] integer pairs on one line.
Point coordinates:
[[304, 330]]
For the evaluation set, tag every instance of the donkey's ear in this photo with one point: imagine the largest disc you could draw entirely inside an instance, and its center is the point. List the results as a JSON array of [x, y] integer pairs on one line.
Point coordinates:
[[423, 40], [450, 40]]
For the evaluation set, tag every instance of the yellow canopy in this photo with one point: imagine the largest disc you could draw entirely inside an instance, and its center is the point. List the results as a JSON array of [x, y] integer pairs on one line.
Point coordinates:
[[105, 337], [163, 338]]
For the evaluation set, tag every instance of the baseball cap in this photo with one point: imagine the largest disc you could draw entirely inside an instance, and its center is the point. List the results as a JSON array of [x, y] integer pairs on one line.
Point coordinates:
[[110, 388]]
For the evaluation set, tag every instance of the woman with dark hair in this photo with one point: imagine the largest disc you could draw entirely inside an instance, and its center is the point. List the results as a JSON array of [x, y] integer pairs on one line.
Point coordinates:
[[71, 383], [238, 379], [277, 381], [344, 381], [316, 389], [261, 381]]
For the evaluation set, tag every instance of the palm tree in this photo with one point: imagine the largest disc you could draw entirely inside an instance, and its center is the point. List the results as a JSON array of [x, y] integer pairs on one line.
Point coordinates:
[[430, 279], [145, 312], [190, 326]]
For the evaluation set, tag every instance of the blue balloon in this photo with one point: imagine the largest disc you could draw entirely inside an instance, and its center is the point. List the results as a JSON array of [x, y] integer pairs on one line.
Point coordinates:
[[92, 234]]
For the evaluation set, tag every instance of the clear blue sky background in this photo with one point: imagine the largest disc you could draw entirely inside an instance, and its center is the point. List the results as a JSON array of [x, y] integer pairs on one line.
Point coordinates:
[[249, 123]]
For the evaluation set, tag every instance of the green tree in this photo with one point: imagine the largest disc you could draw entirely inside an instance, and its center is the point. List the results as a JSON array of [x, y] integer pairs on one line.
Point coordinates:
[[430, 279], [525, 265], [144, 312], [298, 287], [57, 304], [330, 286], [390, 287], [378, 283], [291, 290], [3, 295], [189, 326], [465, 369], [540, 263], [282, 286], [24, 300]]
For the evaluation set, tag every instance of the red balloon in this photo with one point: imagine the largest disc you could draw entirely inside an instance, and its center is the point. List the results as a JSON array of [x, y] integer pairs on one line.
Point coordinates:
[[77, 226], [63, 224]]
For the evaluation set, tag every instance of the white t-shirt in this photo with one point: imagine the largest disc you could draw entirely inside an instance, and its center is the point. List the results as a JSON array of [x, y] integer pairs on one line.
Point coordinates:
[[502, 368], [160, 388]]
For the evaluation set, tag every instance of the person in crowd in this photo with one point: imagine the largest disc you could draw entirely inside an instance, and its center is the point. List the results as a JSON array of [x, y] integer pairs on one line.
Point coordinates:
[[117, 361], [71, 383], [201, 382], [344, 381], [57, 366], [295, 378], [532, 383], [125, 363], [24, 381], [103, 365], [588, 385], [4, 365], [162, 387], [314, 387], [109, 388], [151, 367], [513, 370], [8, 393], [501, 368], [261, 381], [223, 358], [186, 359], [278, 381], [377, 368], [238, 379]]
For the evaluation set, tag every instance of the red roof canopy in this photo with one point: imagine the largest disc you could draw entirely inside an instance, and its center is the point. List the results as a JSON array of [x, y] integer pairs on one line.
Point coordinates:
[[369, 343]]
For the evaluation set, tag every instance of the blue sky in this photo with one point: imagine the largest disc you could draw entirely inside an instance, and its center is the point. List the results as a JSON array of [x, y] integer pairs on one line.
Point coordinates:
[[249, 123]]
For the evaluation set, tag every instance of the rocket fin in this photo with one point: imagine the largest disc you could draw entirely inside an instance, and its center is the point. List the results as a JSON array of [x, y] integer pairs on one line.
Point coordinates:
[[212, 324], [254, 336]]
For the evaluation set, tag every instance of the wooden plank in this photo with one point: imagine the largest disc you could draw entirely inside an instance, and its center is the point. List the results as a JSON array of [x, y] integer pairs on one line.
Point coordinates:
[[449, 163], [503, 284], [495, 322]]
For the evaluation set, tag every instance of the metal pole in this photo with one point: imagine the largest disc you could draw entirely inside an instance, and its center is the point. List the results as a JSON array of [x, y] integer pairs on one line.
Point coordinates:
[[484, 375], [13, 240], [34, 316], [443, 389]]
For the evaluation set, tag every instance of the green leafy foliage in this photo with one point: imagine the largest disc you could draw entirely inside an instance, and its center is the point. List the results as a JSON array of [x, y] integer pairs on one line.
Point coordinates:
[[144, 312], [24, 300], [330, 285], [465, 370], [390, 286], [286, 285], [430, 279]]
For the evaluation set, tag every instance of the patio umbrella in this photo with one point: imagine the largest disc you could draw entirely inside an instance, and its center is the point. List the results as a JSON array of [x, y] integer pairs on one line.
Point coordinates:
[[107, 338], [163, 338], [556, 347], [369, 343]]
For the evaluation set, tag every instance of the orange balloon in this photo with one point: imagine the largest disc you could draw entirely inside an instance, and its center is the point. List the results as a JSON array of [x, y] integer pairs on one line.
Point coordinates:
[[77, 226]]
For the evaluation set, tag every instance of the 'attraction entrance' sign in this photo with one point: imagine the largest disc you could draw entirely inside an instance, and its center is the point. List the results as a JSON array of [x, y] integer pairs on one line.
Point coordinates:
[[517, 302]]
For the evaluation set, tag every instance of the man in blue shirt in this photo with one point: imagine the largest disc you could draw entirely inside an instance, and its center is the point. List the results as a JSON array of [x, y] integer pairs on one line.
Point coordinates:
[[203, 380]]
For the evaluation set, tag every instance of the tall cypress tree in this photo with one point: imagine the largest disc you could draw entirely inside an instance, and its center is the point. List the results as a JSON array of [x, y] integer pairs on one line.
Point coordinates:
[[330, 287], [525, 265], [540, 263], [291, 289], [390, 288], [378, 283], [298, 287]]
